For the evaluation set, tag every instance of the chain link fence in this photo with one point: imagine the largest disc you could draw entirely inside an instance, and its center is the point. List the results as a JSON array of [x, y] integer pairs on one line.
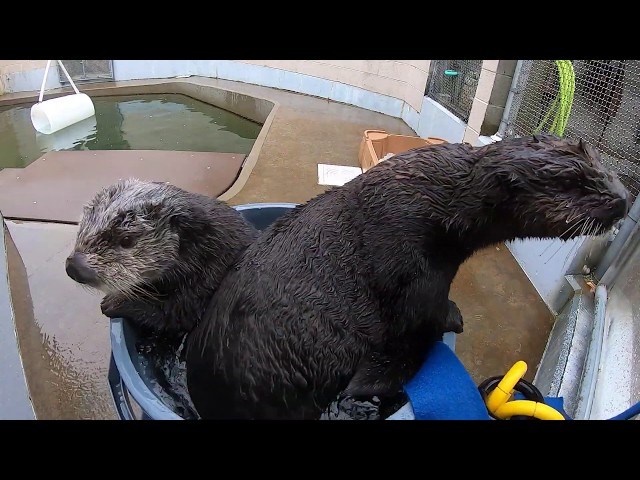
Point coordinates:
[[86, 71], [605, 110], [453, 83]]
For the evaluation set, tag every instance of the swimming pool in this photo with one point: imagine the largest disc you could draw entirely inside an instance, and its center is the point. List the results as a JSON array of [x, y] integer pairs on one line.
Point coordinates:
[[152, 121]]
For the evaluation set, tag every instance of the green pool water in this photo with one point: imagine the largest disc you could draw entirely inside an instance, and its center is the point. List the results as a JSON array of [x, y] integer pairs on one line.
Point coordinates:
[[132, 122]]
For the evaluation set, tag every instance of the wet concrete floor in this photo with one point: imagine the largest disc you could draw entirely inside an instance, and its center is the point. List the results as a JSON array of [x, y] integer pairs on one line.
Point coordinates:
[[68, 348], [66, 353]]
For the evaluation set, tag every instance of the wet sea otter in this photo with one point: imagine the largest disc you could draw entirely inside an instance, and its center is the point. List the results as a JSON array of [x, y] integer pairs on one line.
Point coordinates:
[[157, 251], [348, 292]]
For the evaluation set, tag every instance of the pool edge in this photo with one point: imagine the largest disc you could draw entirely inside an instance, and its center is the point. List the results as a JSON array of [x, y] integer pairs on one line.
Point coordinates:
[[237, 102]]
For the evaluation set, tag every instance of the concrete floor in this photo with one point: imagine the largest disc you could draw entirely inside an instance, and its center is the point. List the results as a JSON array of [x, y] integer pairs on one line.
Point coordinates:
[[505, 320], [66, 353]]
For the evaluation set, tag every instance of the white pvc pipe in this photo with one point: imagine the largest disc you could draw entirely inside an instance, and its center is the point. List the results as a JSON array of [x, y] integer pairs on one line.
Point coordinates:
[[57, 113]]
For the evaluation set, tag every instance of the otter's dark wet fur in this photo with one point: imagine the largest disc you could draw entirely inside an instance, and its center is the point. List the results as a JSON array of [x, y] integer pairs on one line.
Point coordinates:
[[158, 252], [348, 292]]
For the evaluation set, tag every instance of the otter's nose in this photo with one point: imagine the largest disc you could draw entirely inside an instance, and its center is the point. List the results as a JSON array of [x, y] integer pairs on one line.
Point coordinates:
[[78, 270]]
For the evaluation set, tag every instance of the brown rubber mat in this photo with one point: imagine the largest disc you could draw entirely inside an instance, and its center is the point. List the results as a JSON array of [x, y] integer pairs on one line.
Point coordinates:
[[56, 186]]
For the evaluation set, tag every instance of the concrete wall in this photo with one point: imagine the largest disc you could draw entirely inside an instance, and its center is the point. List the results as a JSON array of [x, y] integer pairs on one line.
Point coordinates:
[[401, 79], [25, 75], [501, 85], [13, 66], [392, 87], [488, 102], [480, 101], [434, 120], [392, 82], [386, 86]]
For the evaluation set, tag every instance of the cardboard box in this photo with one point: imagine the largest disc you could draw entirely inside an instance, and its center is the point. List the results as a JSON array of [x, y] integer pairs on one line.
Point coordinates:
[[376, 144]]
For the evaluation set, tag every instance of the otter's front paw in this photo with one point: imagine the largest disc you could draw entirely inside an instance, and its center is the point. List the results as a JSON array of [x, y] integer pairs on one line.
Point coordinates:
[[112, 306], [454, 322]]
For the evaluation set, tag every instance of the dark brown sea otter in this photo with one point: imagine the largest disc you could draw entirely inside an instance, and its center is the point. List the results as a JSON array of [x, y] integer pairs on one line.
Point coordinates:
[[157, 251], [349, 291]]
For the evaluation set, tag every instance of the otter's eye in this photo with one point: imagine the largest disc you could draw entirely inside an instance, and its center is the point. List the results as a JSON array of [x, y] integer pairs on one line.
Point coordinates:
[[127, 242]]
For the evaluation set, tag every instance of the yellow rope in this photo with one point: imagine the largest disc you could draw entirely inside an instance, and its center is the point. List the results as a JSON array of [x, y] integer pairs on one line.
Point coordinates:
[[563, 101]]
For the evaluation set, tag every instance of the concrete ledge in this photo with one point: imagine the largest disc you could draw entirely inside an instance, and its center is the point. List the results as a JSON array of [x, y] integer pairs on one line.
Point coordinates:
[[561, 367], [15, 401], [56, 186]]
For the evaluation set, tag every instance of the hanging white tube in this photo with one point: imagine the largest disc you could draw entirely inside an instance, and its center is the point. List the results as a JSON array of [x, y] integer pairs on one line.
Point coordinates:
[[57, 113]]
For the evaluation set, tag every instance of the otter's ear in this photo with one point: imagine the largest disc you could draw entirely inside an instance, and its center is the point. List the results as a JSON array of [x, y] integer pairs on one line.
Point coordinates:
[[175, 221], [151, 210], [587, 149], [507, 177], [175, 218], [125, 218], [584, 146]]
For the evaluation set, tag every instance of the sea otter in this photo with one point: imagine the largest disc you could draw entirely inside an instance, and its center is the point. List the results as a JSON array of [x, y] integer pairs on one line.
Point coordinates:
[[347, 292], [157, 251]]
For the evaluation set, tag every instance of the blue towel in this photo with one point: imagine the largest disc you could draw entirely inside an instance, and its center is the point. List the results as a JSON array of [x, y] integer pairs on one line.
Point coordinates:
[[444, 390]]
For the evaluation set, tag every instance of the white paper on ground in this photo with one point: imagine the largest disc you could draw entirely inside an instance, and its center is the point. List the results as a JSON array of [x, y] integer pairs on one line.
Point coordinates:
[[336, 174]]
